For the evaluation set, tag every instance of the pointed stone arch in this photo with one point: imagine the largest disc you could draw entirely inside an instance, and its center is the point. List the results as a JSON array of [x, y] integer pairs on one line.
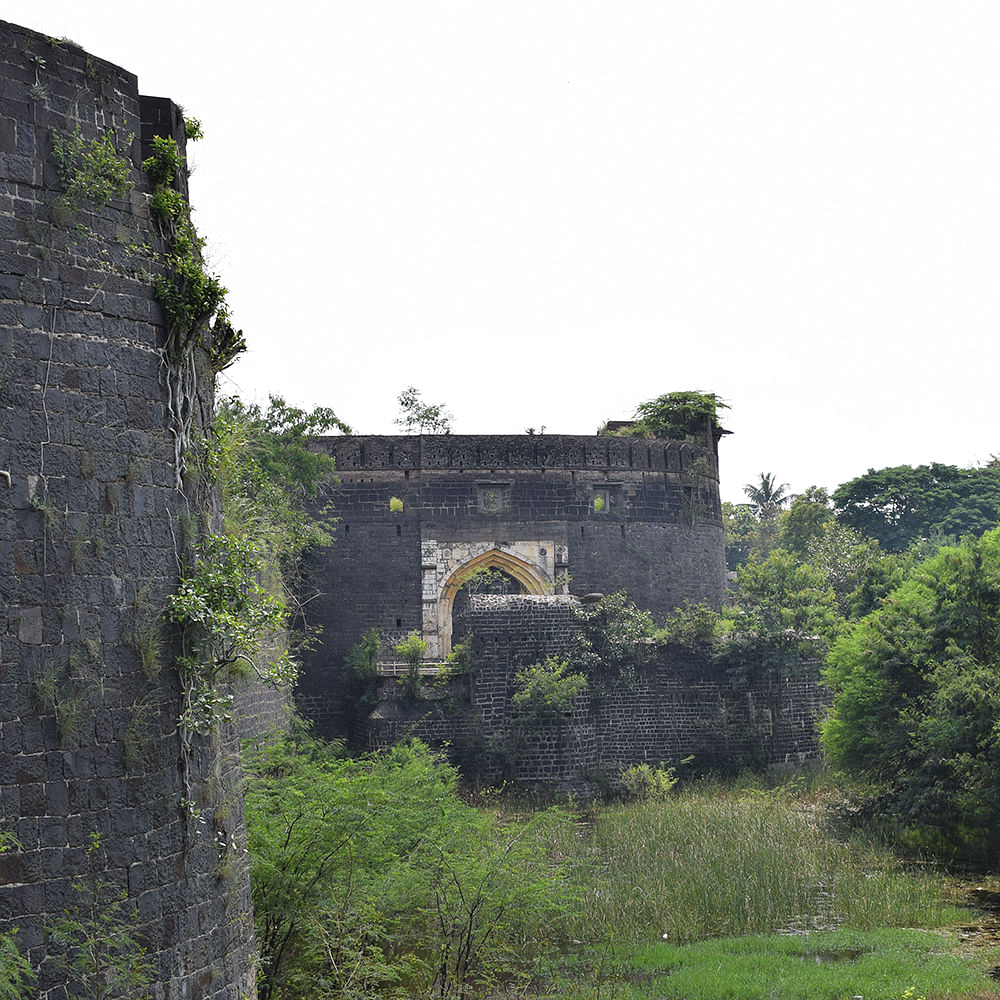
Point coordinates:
[[529, 576]]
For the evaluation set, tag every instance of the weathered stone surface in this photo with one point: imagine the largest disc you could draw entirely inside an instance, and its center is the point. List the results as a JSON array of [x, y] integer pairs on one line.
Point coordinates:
[[29, 627]]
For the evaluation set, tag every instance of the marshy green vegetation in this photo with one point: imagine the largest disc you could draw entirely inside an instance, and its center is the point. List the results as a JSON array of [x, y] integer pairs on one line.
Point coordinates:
[[373, 877]]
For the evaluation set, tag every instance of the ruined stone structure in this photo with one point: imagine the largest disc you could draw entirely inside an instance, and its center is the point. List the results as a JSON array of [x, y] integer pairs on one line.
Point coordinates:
[[89, 518], [418, 515], [679, 707], [560, 517]]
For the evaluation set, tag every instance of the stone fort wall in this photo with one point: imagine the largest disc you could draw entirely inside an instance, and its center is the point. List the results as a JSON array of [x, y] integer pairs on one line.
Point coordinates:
[[560, 513], [89, 519], [679, 707]]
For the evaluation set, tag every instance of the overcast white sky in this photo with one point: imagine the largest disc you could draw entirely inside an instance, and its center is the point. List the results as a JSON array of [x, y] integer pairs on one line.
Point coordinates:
[[544, 213]]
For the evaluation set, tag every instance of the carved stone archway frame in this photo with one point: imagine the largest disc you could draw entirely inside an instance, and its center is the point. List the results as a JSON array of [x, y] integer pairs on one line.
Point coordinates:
[[447, 565]]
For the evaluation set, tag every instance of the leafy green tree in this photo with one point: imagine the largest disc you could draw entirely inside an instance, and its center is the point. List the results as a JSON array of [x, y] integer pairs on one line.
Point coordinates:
[[916, 698], [805, 519], [607, 646], [677, 415], [325, 835], [786, 615], [780, 593], [855, 567], [420, 417], [903, 504], [742, 533], [277, 438], [496, 894], [268, 474]]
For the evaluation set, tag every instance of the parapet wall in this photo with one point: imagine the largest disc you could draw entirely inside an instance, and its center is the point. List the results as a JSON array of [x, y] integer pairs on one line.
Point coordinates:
[[678, 707], [89, 526], [519, 451]]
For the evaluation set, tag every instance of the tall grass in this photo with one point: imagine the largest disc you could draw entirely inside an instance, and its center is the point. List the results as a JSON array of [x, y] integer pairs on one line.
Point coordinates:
[[727, 862]]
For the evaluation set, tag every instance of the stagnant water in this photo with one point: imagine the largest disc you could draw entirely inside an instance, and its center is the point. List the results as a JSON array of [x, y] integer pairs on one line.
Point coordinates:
[[983, 896]]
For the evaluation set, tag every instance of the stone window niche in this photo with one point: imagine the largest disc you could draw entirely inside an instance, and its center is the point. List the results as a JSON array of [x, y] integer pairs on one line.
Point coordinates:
[[491, 498], [605, 498]]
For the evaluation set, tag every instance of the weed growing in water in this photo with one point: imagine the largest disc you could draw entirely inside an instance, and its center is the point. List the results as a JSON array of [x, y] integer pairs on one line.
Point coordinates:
[[740, 862]]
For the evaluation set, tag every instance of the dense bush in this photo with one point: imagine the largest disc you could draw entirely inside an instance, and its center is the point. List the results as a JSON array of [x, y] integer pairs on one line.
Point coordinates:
[[371, 876], [606, 648], [783, 622], [547, 690], [644, 783], [917, 697]]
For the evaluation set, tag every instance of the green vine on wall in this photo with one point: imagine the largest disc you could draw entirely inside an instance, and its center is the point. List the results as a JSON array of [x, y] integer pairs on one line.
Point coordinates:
[[224, 614], [190, 295], [93, 172]]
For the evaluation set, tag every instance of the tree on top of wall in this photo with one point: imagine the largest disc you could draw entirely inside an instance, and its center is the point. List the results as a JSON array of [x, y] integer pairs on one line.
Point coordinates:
[[607, 646], [676, 416], [420, 417]]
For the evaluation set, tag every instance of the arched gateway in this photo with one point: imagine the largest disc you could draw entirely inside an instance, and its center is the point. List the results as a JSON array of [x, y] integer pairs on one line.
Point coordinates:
[[533, 577]]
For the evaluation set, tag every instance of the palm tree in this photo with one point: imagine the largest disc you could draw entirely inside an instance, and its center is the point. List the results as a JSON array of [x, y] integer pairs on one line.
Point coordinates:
[[767, 496]]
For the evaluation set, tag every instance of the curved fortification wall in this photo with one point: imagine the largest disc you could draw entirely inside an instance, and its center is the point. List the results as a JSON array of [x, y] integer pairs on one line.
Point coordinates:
[[89, 521], [557, 513]]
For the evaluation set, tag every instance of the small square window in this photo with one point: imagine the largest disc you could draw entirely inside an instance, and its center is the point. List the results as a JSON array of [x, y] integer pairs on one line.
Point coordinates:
[[490, 501], [600, 502]]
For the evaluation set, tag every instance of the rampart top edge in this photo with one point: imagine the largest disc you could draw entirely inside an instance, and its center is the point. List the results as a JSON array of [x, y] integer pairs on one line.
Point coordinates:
[[519, 451]]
